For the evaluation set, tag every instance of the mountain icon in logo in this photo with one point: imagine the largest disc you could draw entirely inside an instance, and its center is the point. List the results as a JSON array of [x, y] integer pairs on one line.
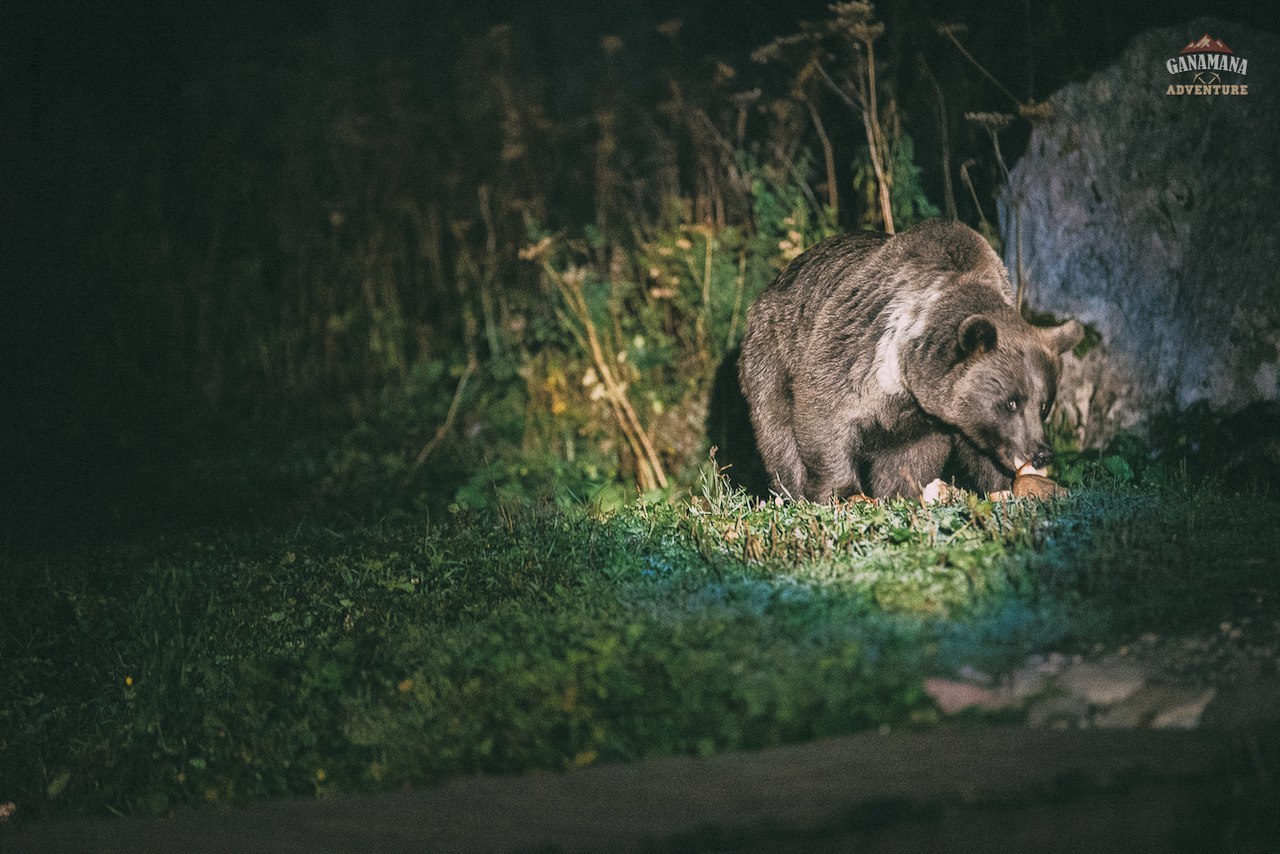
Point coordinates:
[[1206, 44]]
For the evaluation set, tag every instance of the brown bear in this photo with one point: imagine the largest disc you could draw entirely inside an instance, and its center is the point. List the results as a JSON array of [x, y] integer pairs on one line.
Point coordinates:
[[873, 362]]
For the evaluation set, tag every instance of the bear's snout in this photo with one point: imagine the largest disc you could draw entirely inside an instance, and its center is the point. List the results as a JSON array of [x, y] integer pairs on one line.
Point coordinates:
[[1042, 456]]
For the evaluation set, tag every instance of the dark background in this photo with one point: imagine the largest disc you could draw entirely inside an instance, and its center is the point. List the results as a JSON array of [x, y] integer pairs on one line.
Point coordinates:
[[153, 153]]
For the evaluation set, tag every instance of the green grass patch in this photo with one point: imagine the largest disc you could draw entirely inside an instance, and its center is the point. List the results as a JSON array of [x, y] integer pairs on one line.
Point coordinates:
[[220, 666]]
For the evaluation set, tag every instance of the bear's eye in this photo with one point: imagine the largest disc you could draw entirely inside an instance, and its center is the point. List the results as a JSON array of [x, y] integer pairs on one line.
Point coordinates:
[[1044, 410], [1012, 404]]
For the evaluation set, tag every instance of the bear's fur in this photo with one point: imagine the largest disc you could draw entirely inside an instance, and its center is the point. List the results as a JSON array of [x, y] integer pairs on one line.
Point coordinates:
[[873, 361]]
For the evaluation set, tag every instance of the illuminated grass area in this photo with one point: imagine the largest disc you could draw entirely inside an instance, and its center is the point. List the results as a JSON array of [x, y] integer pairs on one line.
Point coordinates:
[[223, 667]]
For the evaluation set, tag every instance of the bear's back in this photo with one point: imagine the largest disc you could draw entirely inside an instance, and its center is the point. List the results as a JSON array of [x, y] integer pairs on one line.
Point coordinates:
[[784, 315]]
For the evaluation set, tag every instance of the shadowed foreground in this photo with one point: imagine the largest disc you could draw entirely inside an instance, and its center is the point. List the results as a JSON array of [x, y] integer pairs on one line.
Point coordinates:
[[996, 788]]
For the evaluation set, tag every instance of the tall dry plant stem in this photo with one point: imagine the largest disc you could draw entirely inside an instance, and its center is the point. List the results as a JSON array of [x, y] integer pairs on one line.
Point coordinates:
[[948, 188], [865, 108], [649, 470], [828, 152], [949, 30], [875, 135], [451, 416]]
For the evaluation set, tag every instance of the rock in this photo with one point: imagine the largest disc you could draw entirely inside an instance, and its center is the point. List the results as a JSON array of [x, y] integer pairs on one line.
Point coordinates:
[[1103, 683], [1151, 218], [1185, 711], [952, 696], [1158, 707], [1134, 712], [1027, 682], [1061, 711]]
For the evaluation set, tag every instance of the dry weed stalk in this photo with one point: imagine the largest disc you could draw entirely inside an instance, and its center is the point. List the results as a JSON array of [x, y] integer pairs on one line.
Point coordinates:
[[854, 22], [649, 470], [449, 418], [993, 123]]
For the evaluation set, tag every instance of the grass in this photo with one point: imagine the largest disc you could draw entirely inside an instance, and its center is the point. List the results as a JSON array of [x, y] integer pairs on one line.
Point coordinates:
[[222, 666]]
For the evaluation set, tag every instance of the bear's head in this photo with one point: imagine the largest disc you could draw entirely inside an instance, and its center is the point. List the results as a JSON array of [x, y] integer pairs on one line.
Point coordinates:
[[1006, 378]]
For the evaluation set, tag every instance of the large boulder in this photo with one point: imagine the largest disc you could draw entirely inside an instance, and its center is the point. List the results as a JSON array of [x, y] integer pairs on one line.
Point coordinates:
[[1155, 219]]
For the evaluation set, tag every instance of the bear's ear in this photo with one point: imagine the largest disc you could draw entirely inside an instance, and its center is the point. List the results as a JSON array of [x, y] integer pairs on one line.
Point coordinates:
[[1060, 339], [977, 335]]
